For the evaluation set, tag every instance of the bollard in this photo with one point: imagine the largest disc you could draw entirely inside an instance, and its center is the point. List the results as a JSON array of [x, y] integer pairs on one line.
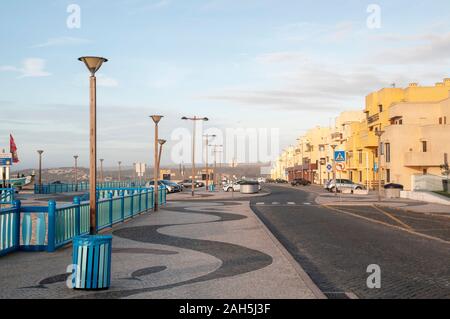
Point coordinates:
[[92, 262]]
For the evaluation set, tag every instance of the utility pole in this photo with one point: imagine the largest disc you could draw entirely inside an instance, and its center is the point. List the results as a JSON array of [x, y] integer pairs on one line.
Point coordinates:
[[379, 133], [120, 170], [207, 166], [334, 169], [40, 152], [76, 172]]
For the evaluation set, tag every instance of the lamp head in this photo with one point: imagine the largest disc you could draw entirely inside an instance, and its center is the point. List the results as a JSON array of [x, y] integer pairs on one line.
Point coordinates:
[[75, 156], [162, 142], [156, 118], [93, 63], [184, 118], [40, 152]]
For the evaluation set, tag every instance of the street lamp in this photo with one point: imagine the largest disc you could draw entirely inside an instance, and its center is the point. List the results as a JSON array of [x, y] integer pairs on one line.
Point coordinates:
[[40, 167], [194, 120], [156, 119], [120, 170], [93, 64], [215, 181], [379, 133], [334, 169], [76, 172], [207, 168]]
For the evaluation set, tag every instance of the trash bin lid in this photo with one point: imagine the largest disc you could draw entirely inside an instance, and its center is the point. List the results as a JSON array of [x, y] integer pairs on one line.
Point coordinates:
[[91, 240]]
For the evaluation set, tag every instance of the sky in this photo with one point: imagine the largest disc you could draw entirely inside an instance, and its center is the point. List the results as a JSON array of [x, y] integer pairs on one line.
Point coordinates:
[[282, 66]]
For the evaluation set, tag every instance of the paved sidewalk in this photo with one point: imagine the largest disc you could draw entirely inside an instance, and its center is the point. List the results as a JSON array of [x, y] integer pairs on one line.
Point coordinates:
[[203, 195], [188, 250]]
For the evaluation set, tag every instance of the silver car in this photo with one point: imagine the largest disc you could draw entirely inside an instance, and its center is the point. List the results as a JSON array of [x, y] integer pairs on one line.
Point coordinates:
[[343, 184]]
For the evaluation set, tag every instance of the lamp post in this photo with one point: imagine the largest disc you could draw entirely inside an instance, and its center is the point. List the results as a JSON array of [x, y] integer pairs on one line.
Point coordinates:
[[120, 170], [334, 169], [379, 133], [93, 64], [40, 167], [194, 120], [156, 119], [102, 179], [207, 166], [76, 172], [161, 143], [215, 179]]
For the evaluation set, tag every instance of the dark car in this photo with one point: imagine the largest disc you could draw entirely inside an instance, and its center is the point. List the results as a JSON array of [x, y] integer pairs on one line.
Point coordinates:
[[281, 181], [300, 182]]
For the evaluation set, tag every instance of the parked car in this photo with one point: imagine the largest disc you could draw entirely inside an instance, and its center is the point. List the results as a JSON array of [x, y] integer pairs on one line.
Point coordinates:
[[262, 180], [235, 186], [170, 187], [343, 184], [281, 181], [187, 183], [300, 182]]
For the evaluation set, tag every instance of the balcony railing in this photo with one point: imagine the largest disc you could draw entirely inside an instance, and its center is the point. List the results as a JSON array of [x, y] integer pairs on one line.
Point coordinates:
[[419, 159]]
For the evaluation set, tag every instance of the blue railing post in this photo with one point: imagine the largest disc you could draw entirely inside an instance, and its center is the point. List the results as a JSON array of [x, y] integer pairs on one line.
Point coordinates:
[[131, 205], [77, 202], [146, 200], [17, 204], [110, 197], [51, 226], [140, 200], [122, 205]]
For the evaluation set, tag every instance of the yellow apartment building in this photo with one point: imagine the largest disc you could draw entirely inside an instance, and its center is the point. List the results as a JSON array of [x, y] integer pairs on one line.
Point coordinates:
[[416, 141]]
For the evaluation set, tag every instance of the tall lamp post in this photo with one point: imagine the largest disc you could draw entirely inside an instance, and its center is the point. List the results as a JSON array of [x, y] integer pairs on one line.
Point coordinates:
[[379, 133], [75, 157], [40, 152], [161, 143], [120, 170], [207, 166], [93, 64], [156, 119], [215, 180], [334, 169], [194, 120]]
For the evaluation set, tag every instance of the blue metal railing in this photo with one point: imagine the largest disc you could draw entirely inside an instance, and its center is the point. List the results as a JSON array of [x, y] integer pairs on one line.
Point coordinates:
[[50, 227], [7, 196], [83, 186]]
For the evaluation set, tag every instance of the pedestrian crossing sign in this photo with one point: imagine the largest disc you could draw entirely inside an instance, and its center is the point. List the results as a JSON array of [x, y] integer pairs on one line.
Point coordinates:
[[340, 156]]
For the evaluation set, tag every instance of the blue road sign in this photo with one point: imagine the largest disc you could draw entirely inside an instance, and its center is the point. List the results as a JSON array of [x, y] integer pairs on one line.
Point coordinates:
[[5, 159], [329, 168], [340, 156]]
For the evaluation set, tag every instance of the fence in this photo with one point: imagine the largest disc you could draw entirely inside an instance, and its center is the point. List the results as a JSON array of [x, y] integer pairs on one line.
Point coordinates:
[[83, 186], [7, 196], [50, 227]]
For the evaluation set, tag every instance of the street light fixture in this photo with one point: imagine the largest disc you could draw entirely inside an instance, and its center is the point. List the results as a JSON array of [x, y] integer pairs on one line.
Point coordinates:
[[156, 119], [215, 180], [40, 167], [161, 142], [120, 170], [93, 64], [334, 146], [194, 120], [379, 133]]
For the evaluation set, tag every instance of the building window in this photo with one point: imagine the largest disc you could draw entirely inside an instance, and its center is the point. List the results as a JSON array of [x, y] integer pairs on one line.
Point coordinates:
[[360, 176], [445, 120], [440, 121], [388, 175], [424, 146], [380, 108], [360, 157], [400, 122], [425, 171], [388, 152]]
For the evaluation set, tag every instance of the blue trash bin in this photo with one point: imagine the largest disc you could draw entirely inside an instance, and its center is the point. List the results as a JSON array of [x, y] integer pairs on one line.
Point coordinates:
[[92, 262], [212, 188]]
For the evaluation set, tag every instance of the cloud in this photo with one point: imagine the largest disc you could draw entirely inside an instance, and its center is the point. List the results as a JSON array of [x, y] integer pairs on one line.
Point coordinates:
[[280, 57], [62, 41], [431, 48], [105, 81], [31, 67]]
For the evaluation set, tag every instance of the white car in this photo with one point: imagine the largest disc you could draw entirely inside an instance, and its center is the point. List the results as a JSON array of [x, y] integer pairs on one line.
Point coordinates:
[[235, 186]]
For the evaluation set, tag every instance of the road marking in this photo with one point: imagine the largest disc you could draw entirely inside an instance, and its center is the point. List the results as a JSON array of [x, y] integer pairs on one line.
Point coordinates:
[[306, 203], [275, 203], [388, 225], [291, 203], [259, 204], [392, 217]]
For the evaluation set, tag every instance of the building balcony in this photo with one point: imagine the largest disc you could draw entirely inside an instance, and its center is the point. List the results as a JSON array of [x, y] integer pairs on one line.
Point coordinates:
[[420, 159], [369, 140]]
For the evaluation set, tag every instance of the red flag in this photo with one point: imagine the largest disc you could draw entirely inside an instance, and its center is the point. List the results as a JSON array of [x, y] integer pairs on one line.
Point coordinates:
[[13, 149]]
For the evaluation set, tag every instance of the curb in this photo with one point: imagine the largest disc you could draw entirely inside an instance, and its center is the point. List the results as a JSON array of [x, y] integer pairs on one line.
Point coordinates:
[[298, 269]]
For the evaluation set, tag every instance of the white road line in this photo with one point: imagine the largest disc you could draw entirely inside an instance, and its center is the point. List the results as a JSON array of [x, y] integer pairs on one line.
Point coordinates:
[[275, 203], [306, 203], [291, 203], [259, 204]]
